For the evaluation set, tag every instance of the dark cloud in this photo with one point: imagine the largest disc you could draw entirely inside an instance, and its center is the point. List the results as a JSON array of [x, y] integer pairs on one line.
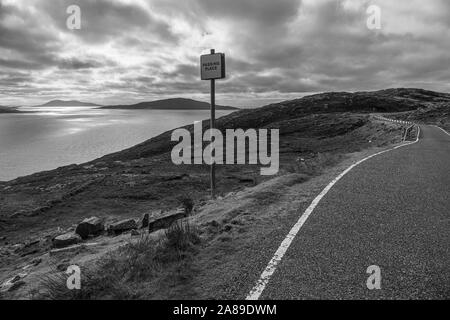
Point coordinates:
[[75, 63], [102, 20], [25, 45], [136, 49], [264, 13]]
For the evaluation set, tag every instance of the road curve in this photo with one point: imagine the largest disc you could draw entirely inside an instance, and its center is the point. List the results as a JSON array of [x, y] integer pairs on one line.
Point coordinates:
[[392, 211]]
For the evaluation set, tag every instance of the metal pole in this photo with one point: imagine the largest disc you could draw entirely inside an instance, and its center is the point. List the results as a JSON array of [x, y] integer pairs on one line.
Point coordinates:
[[212, 125]]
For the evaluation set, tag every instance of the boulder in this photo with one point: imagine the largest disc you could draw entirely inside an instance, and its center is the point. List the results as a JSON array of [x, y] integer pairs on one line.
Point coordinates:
[[11, 286], [66, 240], [13, 283], [62, 267], [36, 261], [144, 220], [121, 226], [18, 277], [166, 221], [33, 263], [188, 205], [92, 226]]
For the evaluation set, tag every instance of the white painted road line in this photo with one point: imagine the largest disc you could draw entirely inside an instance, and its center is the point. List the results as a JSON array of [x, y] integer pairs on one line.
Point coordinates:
[[257, 290], [442, 129]]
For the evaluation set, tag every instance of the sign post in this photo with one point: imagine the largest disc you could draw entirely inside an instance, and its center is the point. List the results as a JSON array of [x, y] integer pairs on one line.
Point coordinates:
[[212, 67]]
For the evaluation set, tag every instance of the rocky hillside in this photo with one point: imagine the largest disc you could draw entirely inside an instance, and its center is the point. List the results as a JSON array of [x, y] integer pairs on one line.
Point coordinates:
[[274, 115], [316, 132], [436, 113], [143, 176]]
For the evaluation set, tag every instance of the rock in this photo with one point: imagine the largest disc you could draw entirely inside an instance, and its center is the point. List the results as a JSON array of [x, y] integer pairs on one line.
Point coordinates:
[[92, 226], [30, 252], [37, 211], [32, 243], [13, 283], [121, 226], [74, 248], [17, 247], [214, 223], [19, 213], [16, 285], [33, 263], [181, 210], [144, 220], [17, 277], [166, 220], [62, 266], [188, 205], [66, 240], [11, 286]]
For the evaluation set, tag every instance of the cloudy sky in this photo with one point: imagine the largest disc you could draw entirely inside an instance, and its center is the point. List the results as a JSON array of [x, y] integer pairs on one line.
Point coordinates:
[[128, 51]]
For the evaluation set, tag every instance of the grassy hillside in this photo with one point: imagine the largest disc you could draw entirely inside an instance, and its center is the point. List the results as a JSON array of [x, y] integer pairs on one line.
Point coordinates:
[[144, 177], [317, 133], [437, 113], [274, 115]]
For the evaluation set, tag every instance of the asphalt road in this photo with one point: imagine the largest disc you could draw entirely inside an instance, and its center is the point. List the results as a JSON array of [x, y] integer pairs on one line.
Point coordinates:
[[392, 211]]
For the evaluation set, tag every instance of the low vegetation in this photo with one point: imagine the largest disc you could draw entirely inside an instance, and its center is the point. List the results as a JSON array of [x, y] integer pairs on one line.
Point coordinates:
[[437, 114], [315, 165], [317, 133], [122, 273]]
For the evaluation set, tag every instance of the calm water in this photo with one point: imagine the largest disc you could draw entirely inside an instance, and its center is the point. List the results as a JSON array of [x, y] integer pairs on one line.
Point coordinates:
[[57, 136]]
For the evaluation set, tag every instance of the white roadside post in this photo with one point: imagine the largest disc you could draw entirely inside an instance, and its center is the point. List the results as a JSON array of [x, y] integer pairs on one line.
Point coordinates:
[[212, 67]]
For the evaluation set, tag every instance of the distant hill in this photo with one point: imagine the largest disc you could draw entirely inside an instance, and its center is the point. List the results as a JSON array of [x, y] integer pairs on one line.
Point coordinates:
[[281, 114], [68, 103], [170, 104], [388, 100], [4, 109]]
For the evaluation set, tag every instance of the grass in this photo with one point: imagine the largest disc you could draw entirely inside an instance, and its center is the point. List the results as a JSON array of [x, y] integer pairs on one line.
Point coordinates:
[[121, 273], [181, 264], [411, 134], [314, 166]]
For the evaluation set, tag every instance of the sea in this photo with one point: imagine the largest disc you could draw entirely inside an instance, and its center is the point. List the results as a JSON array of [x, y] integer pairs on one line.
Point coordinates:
[[45, 138]]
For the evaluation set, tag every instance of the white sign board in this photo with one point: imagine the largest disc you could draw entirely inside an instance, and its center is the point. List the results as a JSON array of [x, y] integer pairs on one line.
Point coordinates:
[[212, 66]]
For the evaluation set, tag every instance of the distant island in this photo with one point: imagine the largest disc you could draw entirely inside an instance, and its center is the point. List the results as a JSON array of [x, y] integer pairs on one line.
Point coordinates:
[[170, 104], [165, 104], [4, 109], [68, 103]]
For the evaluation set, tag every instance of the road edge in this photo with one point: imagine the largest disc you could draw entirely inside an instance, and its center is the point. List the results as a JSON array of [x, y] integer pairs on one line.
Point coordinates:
[[263, 280]]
